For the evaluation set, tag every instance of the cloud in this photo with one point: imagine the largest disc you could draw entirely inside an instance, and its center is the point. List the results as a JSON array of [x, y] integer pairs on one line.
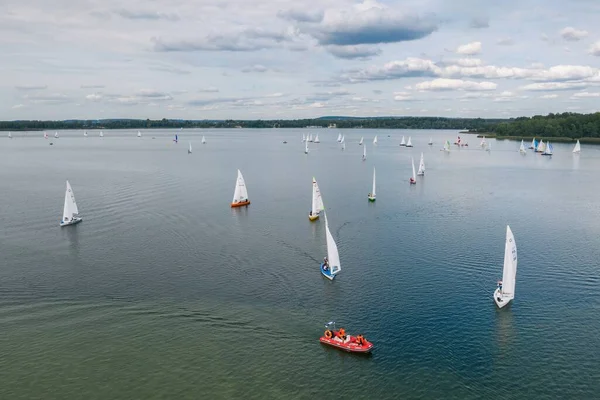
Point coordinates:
[[210, 89], [301, 15], [581, 95], [48, 99], [595, 49], [469, 48], [479, 23], [352, 52], [402, 96], [31, 87], [505, 42], [469, 62], [255, 68], [409, 68], [325, 96], [551, 86], [94, 97], [455, 84], [92, 86], [572, 34], [17, 106], [316, 105], [148, 15], [549, 96]]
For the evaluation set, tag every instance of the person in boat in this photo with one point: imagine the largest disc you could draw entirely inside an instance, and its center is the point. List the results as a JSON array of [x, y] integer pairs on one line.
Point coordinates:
[[310, 213], [325, 264], [500, 286]]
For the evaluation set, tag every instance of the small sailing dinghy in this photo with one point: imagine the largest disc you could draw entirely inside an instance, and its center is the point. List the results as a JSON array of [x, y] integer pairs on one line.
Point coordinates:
[[240, 194], [413, 178], [317, 202], [306, 146], [310, 138], [316, 139], [533, 144], [505, 291], [421, 170], [522, 148], [372, 195], [541, 147], [101, 134], [45, 135], [139, 134], [303, 138], [361, 141], [488, 148], [409, 143], [375, 140], [446, 147], [331, 265], [430, 142], [364, 158], [402, 142], [9, 135], [482, 144], [176, 140], [203, 140], [340, 340], [85, 134], [548, 150], [70, 211], [190, 148], [56, 135], [339, 139], [577, 148], [343, 145]]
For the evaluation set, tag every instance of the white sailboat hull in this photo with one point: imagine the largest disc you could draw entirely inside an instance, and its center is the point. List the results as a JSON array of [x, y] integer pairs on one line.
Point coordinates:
[[500, 300], [74, 221]]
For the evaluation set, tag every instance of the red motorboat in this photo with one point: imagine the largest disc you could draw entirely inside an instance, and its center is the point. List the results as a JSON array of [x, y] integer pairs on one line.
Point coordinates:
[[352, 344]]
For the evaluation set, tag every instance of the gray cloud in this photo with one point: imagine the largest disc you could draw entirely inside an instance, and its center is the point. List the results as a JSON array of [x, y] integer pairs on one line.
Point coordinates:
[[148, 15], [301, 15], [208, 90], [255, 68], [353, 52], [92, 86], [480, 23], [50, 99], [31, 87], [505, 42]]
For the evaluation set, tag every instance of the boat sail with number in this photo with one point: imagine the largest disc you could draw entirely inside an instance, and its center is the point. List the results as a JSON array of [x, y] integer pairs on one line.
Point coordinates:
[[421, 170], [577, 148], [70, 211], [240, 194], [372, 196], [331, 266], [317, 202], [505, 291]]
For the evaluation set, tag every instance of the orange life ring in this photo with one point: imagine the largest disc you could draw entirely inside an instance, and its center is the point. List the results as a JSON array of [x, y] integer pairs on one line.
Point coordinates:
[[328, 334]]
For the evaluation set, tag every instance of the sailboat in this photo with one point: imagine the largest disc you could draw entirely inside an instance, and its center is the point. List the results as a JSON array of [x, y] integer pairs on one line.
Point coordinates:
[[375, 140], [421, 170], [9, 135], [317, 139], [339, 139], [446, 147], [306, 146], [577, 148], [372, 195], [203, 140], [430, 142], [409, 143], [317, 202], [548, 150], [45, 135], [361, 141], [364, 153], [190, 148], [332, 266], [310, 138], [303, 138], [139, 134], [522, 148], [101, 134], [343, 139], [533, 144], [56, 135], [505, 291], [488, 147], [540, 147], [402, 142], [343, 145], [176, 138], [85, 134], [70, 211], [240, 194], [482, 144], [413, 178]]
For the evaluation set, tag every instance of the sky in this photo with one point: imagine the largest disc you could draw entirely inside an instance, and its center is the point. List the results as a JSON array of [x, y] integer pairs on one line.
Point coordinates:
[[280, 59]]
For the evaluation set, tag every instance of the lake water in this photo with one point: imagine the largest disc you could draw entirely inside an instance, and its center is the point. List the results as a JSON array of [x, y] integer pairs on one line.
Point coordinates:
[[165, 292]]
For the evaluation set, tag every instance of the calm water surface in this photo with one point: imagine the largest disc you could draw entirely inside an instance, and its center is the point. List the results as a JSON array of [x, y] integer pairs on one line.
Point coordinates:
[[165, 292]]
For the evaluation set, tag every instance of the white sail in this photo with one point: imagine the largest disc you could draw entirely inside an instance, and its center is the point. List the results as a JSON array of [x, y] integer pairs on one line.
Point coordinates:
[[548, 150], [402, 142], [343, 139], [375, 140], [310, 137], [489, 147], [532, 144], [343, 146], [101, 134], [139, 134], [339, 139], [317, 138], [409, 143], [421, 166], [509, 273], [203, 140], [541, 146], [303, 138], [577, 148], [9, 135], [317, 200], [70, 208], [430, 141], [85, 134], [56, 135], [414, 175], [373, 191], [306, 146], [333, 255], [447, 146], [522, 148], [364, 153], [241, 193], [361, 141], [190, 148], [45, 135]]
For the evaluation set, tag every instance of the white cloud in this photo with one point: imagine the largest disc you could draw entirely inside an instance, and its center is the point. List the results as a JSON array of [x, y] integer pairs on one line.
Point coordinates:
[[581, 95], [455, 84], [94, 97], [571, 34], [255, 68], [469, 48], [16, 106], [554, 86], [469, 62], [595, 49], [549, 96]]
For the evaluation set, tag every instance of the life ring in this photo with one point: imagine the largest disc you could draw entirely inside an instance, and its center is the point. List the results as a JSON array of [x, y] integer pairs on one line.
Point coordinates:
[[328, 334]]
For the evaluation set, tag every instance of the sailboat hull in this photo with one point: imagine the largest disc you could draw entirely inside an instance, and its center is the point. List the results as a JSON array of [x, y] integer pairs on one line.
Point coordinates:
[[412, 181], [499, 300], [74, 221], [240, 204], [371, 198], [313, 217], [326, 272]]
